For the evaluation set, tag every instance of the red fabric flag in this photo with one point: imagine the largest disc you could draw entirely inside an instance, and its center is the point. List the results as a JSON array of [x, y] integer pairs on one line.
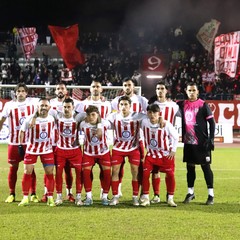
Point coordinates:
[[28, 40], [66, 41]]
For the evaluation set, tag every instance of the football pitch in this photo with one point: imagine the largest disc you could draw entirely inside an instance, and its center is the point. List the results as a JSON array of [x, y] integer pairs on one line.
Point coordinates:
[[124, 221]]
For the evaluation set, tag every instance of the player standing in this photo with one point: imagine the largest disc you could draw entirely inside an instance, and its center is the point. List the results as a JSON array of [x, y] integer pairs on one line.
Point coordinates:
[[168, 110], [96, 150], [126, 126], [16, 111], [198, 140], [57, 104], [38, 144], [68, 149], [161, 141], [104, 107], [138, 104]]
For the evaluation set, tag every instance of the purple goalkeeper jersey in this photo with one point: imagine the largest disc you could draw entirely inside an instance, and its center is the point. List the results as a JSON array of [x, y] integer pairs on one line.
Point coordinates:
[[195, 115]]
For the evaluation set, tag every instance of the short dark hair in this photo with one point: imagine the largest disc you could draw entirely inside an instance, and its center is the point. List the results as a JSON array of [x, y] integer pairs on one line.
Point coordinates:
[[68, 100], [153, 108], [96, 80], [91, 109], [125, 98], [192, 84], [128, 79], [162, 83]]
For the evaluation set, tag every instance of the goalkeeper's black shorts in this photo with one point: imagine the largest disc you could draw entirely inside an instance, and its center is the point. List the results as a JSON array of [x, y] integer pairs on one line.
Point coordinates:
[[196, 154]]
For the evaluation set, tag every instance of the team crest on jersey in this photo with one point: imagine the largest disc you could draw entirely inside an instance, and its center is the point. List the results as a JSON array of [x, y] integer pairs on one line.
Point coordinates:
[[188, 116], [126, 134], [43, 135], [94, 139], [67, 131], [153, 143]]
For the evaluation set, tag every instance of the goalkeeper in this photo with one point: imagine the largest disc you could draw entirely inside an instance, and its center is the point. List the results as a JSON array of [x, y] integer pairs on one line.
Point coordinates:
[[198, 141]]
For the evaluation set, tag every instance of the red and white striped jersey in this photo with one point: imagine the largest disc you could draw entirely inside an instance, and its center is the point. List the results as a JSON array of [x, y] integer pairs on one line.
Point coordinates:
[[104, 107], [16, 112], [68, 130], [126, 130], [157, 140], [92, 144], [168, 109], [139, 104], [58, 106], [40, 137]]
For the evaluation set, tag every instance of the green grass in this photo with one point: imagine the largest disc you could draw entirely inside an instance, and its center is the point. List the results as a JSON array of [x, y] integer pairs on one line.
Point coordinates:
[[192, 221]]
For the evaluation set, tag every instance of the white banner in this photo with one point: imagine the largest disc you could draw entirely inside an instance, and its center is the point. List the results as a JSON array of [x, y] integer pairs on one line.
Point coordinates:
[[207, 33], [226, 53]]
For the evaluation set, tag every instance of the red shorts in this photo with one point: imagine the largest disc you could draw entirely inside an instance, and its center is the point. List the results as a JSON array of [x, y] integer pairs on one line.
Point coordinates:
[[46, 159], [103, 160], [73, 156], [133, 157], [159, 164], [13, 156]]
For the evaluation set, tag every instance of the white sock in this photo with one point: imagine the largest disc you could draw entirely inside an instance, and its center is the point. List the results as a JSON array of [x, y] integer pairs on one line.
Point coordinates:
[[89, 195], [45, 190], [170, 197], [78, 195], [68, 191], [191, 190], [210, 192], [59, 195], [25, 196], [145, 196], [120, 187], [104, 195]]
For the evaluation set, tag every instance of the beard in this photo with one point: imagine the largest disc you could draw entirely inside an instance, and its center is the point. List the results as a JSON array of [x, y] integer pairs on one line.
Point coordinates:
[[60, 95]]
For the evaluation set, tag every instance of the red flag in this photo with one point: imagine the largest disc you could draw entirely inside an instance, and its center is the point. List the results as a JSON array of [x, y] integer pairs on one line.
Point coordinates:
[[66, 40], [28, 39]]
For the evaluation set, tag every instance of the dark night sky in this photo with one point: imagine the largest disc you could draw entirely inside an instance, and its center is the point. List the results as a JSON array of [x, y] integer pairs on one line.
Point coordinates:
[[109, 15]]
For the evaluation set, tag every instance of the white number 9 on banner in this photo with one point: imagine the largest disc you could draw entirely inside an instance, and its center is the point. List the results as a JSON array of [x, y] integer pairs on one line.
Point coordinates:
[[154, 62]]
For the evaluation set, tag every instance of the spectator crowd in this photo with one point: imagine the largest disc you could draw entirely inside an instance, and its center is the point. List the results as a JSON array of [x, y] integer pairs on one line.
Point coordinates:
[[112, 56]]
